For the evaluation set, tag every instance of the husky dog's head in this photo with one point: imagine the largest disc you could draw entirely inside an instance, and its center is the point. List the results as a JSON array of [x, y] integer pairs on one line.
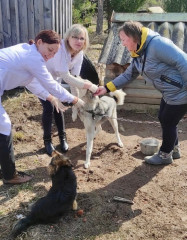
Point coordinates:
[[89, 96], [58, 160]]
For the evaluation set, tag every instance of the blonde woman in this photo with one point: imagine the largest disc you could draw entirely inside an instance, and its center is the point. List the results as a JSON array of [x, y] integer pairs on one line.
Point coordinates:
[[66, 67]]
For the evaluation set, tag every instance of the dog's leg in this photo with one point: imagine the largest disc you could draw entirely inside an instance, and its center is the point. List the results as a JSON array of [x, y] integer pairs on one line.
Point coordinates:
[[75, 205], [114, 124], [98, 129], [90, 133], [74, 113]]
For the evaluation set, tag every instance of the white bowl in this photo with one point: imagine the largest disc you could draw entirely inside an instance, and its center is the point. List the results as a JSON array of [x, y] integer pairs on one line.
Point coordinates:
[[149, 146]]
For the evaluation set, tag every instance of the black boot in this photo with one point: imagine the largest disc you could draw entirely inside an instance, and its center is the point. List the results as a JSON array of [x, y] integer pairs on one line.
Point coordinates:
[[48, 146], [63, 142]]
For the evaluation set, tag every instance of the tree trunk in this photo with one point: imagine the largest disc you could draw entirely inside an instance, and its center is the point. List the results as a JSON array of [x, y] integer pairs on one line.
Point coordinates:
[[109, 13], [99, 27]]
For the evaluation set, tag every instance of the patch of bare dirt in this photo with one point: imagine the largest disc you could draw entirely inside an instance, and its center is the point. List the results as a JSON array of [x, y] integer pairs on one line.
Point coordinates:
[[159, 192]]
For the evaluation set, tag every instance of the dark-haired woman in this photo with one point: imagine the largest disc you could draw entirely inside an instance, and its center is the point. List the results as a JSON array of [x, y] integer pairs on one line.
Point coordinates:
[[25, 65]]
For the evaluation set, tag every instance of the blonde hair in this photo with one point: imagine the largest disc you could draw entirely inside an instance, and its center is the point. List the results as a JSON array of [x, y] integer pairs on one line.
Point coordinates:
[[76, 30], [132, 29]]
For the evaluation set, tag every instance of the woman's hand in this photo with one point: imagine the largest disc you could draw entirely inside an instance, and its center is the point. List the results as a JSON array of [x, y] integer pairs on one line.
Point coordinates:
[[57, 104], [101, 90], [78, 102]]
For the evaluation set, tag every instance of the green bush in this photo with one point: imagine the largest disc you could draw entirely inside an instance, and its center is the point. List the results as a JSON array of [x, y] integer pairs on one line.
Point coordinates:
[[126, 5], [83, 11], [175, 5]]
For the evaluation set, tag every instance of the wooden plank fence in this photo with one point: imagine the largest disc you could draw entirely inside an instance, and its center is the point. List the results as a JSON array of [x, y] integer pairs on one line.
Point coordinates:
[[21, 20]]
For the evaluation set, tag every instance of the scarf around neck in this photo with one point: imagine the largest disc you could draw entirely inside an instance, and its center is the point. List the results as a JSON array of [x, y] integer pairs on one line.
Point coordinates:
[[143, 39]]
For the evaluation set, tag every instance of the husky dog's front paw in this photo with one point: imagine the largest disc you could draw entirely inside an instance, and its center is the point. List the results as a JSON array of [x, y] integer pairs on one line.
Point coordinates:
[[86, 165], [120, 144]]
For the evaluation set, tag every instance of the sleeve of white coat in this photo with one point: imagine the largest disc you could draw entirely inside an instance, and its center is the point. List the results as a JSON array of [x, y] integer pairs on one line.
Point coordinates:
[[37, 89], [71, 80], [39, 71], [74, 91]]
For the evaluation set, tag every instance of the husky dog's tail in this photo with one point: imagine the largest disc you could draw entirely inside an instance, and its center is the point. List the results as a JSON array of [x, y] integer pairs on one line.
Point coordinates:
[[119, 96]]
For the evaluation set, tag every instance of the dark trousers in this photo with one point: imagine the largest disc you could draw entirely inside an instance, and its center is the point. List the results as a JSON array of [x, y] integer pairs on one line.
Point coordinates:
[[7, 160], [169, 117], [47, 116]]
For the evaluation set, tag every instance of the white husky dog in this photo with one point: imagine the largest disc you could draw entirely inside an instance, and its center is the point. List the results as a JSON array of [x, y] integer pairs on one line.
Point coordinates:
[[95, 112]]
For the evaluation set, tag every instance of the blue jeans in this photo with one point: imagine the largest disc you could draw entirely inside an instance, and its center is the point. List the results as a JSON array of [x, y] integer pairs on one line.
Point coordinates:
[[169, 117], [47, 118]]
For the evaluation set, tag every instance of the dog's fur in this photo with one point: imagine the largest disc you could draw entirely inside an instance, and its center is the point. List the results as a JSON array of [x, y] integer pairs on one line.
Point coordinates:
[[59, 200], [94, 114]]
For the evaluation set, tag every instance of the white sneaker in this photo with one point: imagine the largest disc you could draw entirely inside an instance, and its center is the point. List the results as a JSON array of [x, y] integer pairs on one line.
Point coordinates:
[[160, 158]]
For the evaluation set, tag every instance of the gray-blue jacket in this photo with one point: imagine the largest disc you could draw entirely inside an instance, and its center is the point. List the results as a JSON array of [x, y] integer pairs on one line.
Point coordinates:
[[164, 64]]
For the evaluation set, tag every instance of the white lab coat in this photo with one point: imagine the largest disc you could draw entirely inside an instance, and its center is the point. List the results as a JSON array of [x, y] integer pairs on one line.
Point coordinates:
[[23, 65], [64, 68], [62, 62]]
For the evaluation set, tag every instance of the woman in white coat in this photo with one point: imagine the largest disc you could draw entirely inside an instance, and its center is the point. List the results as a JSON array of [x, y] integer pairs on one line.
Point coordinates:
[[66, 67], [25, 65]]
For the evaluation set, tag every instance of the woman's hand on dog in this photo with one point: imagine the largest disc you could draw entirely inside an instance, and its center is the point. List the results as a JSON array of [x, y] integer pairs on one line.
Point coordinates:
[[57, 104], [78, 102], [101, 90]]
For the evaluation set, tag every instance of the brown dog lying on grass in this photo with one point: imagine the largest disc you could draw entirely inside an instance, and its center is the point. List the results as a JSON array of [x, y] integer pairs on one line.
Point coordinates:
[[59, 200]]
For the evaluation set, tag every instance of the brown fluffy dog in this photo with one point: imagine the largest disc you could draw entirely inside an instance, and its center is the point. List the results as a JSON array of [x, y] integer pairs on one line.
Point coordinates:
[[60, 198]]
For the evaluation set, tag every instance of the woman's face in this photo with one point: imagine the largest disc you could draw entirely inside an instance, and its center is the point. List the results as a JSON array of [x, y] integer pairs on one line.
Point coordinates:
[[128, 42], [47, 50], [77, 42]]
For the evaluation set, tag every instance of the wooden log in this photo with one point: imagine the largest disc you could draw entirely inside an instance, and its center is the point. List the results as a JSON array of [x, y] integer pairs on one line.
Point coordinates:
[[139, 107], [5, 8], [143, 93], [149, 17], [67, 9], [30, 11], [63, 18], [141, 100], [140, 83], [23, 20], [14, 19], [57, 15], [47, 14], [1, 28], [38, 13], [60, 18], [70, 13], [53, 14]]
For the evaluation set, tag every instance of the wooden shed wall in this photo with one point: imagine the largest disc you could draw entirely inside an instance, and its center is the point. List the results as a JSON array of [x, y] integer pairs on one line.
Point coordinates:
[[21, 20]]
